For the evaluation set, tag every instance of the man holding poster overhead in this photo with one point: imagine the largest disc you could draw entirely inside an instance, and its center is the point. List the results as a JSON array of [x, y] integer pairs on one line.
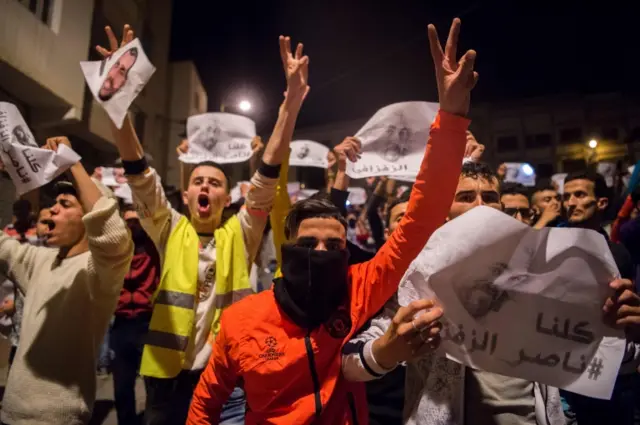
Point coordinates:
[[205, 261]]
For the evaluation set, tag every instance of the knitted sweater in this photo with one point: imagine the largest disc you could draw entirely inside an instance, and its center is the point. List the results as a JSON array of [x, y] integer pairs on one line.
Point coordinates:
[[67, 309]]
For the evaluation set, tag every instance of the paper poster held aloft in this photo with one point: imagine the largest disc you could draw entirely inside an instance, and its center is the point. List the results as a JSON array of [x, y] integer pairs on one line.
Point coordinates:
[[520, 172], [608, 171], [28, 165], [239, 190], [523, 302], [394, 140], [558, 180], [357, 196], [306, 153], [219, 137], [117, 80], [115, 179]]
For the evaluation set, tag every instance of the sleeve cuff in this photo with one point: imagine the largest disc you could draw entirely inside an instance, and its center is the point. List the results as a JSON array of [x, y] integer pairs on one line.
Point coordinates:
[[447, 121], [369, 362], [135, 167], [269, 171]]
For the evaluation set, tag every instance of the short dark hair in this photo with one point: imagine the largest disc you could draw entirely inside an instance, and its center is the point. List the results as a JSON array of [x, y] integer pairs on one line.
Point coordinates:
[[543, 187], [317, 206], [21, 207], [599, 183], [404, 197], [478, 170], [214, 165], [64, 188], [512, 188]]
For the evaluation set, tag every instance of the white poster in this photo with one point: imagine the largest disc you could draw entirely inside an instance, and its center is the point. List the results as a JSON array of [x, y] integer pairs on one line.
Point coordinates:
[[518, 172], [357, 196], [117, 80], [523, 302], [305, 153], [238, 191], [115, 179], [219, 137], [558, 179], [28, 166], [394, 141], [608, 171]]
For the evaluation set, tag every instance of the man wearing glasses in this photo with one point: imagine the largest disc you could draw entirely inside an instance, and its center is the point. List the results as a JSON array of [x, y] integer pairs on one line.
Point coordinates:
[[515, 202]]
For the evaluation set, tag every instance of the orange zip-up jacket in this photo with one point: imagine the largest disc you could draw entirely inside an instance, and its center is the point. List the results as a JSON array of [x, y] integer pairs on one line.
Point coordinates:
[[293, 376]]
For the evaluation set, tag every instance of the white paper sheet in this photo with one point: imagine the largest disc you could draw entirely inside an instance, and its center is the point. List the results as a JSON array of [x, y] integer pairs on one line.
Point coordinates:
[[306, 153], [123, 191], [357, 196], [236, 192], [303, 194], [28, 166], [558, 179], [116, 81], [608, 171], [219, 137], [523, 302], [517, 173], [394, 140]]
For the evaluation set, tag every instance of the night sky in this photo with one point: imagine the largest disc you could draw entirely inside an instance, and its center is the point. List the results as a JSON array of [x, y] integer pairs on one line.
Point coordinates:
[[367, 54]]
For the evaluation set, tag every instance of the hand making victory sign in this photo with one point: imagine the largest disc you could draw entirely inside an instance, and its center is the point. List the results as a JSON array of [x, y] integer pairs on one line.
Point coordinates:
[[296, 69], [127, 36], [455, 78]]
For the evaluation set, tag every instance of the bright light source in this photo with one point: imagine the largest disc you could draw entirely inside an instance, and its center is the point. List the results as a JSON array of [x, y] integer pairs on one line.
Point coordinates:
[[527, 169], [244, 106], [593, 143], [348, 202]]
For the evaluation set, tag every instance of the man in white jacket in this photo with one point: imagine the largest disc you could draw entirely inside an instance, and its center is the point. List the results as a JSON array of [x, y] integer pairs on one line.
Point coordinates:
[[70, 295], [439, 391]]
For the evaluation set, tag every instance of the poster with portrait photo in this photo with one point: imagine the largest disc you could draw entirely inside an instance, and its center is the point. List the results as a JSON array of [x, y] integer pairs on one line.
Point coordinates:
[[394, 140], [117, 80], [219, 137], [306, 153], [28, 165]]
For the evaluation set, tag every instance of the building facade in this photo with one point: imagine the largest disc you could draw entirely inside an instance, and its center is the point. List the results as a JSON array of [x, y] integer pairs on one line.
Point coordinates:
[[41, 46]]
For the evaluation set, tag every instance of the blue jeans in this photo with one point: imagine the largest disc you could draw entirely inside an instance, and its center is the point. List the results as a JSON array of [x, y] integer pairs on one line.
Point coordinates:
[[233, 411]]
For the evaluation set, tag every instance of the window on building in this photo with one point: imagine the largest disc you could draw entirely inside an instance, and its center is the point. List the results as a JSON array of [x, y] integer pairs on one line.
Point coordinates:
[[571, 135], [541, 140], [573, 165], [507, 143], [610, 133], [41, 8], [544, 171]]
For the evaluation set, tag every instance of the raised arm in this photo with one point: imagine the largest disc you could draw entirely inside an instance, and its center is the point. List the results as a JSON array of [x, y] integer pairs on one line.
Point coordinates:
[[156, 213], [261, 196], [433, 191], [348, 149]]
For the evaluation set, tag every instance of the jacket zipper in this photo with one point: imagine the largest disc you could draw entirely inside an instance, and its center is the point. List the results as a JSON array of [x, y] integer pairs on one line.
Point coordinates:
[[352, 405], [314, 374]]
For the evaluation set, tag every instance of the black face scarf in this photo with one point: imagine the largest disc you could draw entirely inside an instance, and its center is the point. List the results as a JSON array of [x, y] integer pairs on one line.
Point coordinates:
[[314, 284]]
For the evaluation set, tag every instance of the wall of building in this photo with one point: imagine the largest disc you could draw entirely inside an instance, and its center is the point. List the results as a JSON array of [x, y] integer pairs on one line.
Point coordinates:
[[47, 54]]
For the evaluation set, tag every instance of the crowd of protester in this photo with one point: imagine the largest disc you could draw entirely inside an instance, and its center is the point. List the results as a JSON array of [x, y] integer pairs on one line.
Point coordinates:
[[274, 311]]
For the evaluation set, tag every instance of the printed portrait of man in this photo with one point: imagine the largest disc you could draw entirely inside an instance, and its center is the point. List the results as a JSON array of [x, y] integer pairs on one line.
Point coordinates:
[[208, 138], [303, 152], [20, 136], [117, 74], [399, 147]]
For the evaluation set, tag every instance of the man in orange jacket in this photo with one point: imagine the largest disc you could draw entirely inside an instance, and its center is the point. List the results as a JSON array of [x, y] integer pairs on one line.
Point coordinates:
[[284, 345]]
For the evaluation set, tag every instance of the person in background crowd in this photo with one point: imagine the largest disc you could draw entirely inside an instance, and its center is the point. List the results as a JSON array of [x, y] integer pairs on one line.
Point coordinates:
[[502, 171], [285, 342], [132, 317], [585, 201], [515, 202], [547, 206], [22, 226], [626, 229], [205, 260], [42, 225], [70, 293]]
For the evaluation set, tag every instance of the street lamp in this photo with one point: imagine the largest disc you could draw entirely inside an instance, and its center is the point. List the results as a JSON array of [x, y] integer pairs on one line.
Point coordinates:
[[593, 143], [244, 105]]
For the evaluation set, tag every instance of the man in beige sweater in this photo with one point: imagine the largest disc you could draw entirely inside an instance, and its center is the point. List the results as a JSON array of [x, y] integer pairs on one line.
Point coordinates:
[[70, 295]]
